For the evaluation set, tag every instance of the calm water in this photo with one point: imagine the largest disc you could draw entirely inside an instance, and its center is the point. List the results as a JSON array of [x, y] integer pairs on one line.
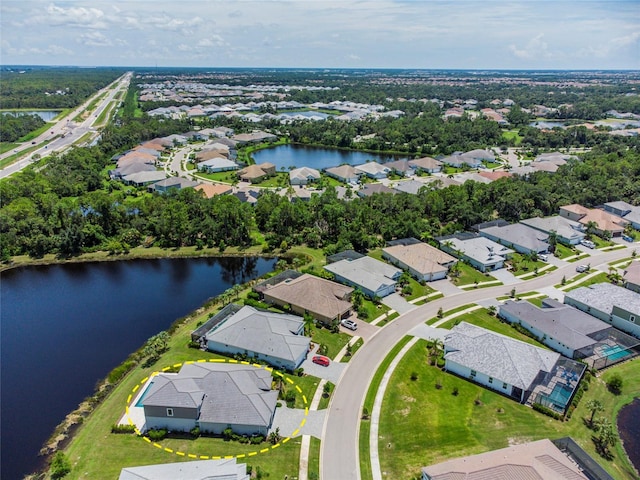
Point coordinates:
[[301, 156], [46, 115], [629, 428], [64, 327]]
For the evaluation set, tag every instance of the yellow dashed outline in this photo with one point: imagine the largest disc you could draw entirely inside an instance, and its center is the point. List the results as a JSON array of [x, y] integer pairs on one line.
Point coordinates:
[[213, 457]]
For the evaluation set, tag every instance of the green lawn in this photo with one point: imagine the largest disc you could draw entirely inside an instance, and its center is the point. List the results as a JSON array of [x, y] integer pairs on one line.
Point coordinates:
[[334, 341], [422, 425], [512, 134], [469, 275], [522, 265], [6, 146], [314, 459], [563, 251], [325, 398], [105, 113], [373, 310], [224, 177], [354, 348], [600, 278], [601, 242], [446, 313], [280, 179]]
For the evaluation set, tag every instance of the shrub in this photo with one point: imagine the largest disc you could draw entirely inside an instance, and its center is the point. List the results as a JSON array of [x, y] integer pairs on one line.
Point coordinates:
[[455, 391], [60, 466], [414, 376], [614, 384], [123, 428], [120, 371], [195, 432], [298, 371], [256, 439], [157, 435], [546, 411]]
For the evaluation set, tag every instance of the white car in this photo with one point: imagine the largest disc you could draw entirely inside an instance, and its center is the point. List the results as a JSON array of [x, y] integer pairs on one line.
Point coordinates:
[[582, 268], [588, 243], [350, 324]]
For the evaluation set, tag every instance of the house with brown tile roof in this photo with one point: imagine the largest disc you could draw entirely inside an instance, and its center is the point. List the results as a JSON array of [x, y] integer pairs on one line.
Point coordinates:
[[528, 461], [632, 277], [210, 191], [426, 164], [210, 154], [605, 221], [344, 173], [256, 173], [493, 176], [423, 261], [325, 300]]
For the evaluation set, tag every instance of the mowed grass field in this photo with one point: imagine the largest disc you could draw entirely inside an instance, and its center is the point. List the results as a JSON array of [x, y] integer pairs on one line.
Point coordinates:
[[422, 425]]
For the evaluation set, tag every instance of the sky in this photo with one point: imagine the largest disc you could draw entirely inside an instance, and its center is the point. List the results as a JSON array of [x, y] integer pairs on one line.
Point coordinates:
[[420, 34]]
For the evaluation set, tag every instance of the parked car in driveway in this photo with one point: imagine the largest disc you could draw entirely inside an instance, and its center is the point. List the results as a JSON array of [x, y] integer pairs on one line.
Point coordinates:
[[350, 324], [321, 360], [588, 243]]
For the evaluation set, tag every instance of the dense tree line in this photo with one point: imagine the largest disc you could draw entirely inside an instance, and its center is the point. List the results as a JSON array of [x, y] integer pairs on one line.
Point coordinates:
[[52, 87], [15, 126]]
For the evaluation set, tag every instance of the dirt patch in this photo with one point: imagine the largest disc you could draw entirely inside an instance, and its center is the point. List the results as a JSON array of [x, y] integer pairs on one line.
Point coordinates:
[[405, 411], [408, 399]]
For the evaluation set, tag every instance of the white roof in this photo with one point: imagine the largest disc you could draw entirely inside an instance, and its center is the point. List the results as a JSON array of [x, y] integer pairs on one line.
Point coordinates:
[[564, 227], [194, 470], [304, 173], [372, 168], [218, 163], [503, 358], [604, 296], [367, 272], [480, 249]]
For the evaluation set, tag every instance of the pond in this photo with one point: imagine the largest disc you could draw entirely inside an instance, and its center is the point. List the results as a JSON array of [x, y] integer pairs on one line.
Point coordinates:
[[629, 428], [286, 156], [46, 115], [65, 327]]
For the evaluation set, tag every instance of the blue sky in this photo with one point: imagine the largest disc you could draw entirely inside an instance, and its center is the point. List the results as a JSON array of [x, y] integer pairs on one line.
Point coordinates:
[[488, 34]]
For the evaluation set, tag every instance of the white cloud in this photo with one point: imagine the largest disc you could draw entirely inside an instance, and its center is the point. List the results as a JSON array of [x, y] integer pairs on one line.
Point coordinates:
[[95, 39], [536, 48], [212, 41]]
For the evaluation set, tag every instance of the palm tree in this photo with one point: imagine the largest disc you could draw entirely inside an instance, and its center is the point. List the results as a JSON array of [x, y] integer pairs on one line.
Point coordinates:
[[553, 240], [606, 436], [594, 406]]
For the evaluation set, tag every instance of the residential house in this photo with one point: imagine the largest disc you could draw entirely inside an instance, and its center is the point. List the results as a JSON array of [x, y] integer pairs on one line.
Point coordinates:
[[518, 236], [373, 188], [495, 175], [625, 210], [533, 460], [632, 277], [225, 469], [271, 337], [514, 368], [344, 173], [481, 253], [373, 277], [401, 167], [615, 305], [217, 164], [212, 397], [426, 164], [567, 231], [248, 195], [211, 154], [121, 172], [323, 299], [256, 173], [421, 260], [474, 156], [409, 186], [171, 183], [255, 137], [373, 170], [561, 327], [140, 179], [175, 140], [603, 221], [210, 191], [304, 175]]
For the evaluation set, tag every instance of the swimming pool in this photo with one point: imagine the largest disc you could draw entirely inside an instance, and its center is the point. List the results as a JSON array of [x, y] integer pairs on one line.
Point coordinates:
[[144, 394], [560, 395], [615, 353]]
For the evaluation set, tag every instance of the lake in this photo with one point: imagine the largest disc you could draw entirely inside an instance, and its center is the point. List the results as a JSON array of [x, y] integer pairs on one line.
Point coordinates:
[[315, 157], [64, 327], [46, 115], [629, 428]]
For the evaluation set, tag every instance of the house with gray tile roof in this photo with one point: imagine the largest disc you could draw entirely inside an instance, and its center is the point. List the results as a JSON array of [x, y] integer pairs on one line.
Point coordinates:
[[271, 337], [171, 183], [567, 231], [625, 210], [140, 179], [495, 361], [482, 253], [373, 277], [373, 188], [632, 277], [409, 186], [212, 397], [426, 164], [518, 236], [563, 328], [617, 306], [303, 175], [344, 173], [401, 167], [217, 164], [528, 461], [224, 469]]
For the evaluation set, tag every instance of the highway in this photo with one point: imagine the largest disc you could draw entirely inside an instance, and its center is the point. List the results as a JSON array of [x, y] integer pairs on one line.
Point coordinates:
[[66, 131], [339, 454]]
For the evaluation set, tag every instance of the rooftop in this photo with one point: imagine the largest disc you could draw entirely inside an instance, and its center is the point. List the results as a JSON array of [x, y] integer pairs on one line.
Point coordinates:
[[421, 257], [605, 296], [519, 234], [194, 470], [564, 227], [479, 248], [503, 358], [365, 271]]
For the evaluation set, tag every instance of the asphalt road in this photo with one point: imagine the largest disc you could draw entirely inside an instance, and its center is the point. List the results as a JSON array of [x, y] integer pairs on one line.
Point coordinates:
[[66, 132], [339, 456]]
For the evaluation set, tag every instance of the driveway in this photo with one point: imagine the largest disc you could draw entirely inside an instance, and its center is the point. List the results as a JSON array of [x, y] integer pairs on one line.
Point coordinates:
[[396, 302], [365, 330], [445, 287], [288, 420], [331, 373], [505, 276]]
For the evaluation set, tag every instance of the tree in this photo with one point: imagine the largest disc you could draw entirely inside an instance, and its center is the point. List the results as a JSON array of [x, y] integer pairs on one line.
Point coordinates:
[[594, 406], [553, 240], [274, 437], [60, 466], [614, 384], [606, 436]]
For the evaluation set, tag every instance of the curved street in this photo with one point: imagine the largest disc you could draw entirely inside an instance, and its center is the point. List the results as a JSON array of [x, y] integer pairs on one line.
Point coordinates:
[[339, 454]]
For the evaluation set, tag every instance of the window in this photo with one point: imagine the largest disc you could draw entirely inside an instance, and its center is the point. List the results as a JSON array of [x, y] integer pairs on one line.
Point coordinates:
[[504, 385], [490, 379], [473, 373], [632, 319], [169, 412]]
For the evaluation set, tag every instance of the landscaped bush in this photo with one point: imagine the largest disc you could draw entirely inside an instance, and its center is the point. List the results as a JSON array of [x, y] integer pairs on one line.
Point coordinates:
[[547, 411], [60, 466], [157, 435], [615, 384], [195, 432], [120, 371], [123, 428]]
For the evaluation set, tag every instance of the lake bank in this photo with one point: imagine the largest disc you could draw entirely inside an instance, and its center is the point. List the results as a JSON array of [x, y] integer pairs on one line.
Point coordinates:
[[629, 430]]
